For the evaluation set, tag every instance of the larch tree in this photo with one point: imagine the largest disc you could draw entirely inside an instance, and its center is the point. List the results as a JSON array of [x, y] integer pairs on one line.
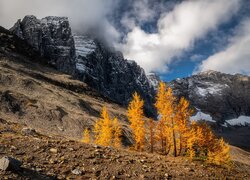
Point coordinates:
[[152, 134], [192, 136], [135, 117], [182, 119], [116, 133], [86, 136], [165, 105], [220, 153], [103, 129]]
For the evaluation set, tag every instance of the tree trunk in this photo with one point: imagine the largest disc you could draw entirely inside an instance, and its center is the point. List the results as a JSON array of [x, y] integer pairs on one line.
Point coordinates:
[[175, 152], [180, 145]]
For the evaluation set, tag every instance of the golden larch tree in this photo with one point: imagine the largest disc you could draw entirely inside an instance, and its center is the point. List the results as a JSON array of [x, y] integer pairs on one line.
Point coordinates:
[[117, 132], [135, 117], [165, 105], [220, 153], [182, 119], [103, 129], [152, 134], [86, 136]]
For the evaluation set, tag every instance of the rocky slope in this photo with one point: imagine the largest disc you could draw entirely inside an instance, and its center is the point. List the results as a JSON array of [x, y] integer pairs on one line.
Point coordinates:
[[37, 95], [86, 58], [46, 157], [216, 95]]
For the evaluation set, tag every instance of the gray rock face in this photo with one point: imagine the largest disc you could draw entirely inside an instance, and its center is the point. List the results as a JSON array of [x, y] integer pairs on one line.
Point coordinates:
[[52, 37], [154, 80], [87, 59], [223, 96], [107, 71]]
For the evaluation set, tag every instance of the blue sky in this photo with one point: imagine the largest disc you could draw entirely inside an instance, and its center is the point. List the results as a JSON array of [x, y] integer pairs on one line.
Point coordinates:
[[202, 52], [203, 48]]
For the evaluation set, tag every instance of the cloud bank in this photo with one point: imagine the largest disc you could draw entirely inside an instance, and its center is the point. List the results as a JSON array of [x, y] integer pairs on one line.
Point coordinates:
[[177, 31], [83, 14], [235, 58]]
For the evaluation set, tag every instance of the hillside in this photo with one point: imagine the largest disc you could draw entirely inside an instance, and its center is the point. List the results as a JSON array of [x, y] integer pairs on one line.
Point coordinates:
[[46, 157], [37, 95], [44, 111]]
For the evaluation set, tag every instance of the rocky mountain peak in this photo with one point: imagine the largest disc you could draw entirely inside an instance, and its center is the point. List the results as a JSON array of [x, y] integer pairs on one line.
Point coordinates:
[[221, 96], [154, 80], [52, 37], [86, 58], [208, 72]]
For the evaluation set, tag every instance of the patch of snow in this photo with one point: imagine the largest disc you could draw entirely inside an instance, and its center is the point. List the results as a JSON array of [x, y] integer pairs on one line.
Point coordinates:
[[212, 89], [80, 67], [154, 80], [202, 116], [84, 45], [240, 121]]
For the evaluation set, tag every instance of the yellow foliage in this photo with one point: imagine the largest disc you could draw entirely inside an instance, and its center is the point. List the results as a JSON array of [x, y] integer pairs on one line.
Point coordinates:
[[192, 138], [220, 155], [165, 105], [86, 136], [103, 129], [182, 119], [135, 117], [152, 134], [116, 133]]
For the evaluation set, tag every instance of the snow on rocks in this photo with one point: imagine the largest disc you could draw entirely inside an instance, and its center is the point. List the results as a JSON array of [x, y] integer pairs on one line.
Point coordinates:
[[202, 116], [240, 121]]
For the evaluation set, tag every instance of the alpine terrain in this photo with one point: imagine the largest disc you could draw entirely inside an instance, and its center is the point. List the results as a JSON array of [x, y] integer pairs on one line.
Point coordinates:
[[68, 110]]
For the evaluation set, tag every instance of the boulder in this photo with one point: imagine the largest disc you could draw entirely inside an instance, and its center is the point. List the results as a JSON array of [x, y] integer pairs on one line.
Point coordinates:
[[10, 164]]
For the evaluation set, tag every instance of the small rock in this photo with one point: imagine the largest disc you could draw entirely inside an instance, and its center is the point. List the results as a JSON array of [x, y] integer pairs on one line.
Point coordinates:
[[191, 170], [53, 150], [97, 147], [38, 169], [97, 173], [77, 172], [13, 148], [9, 163], [28, 131]]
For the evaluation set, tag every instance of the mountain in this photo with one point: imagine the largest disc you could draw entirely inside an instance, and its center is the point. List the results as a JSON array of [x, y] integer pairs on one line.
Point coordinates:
[[218, 97], [34, 94], [87, 59]]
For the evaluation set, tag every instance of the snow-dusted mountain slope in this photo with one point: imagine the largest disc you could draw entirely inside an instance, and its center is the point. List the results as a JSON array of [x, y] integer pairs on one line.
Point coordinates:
[[86, 58], [218, 96]]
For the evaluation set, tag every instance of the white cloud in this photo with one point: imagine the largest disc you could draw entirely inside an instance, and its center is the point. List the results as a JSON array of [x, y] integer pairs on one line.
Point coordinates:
[[79, 11], [235, 58], [177, 32], [196, 57], [83, 14]]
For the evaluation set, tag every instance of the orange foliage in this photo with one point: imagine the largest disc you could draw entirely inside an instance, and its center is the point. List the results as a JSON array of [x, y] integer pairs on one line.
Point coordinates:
[[103, 129], [220, 154], [86, 136], [116, 133], [135, 117], [165, 105], [152, 134]]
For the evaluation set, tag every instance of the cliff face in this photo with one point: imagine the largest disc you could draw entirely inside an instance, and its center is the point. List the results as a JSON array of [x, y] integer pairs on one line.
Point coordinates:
[[87, 59], [107, 71], [52, 37], [222, 96]]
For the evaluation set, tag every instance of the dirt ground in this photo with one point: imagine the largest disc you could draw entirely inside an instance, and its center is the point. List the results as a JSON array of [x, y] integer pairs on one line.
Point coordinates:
[[57, 158]]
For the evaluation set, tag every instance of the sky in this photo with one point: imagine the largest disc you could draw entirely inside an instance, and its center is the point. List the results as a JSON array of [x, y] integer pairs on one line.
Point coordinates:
[[172, 38]]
